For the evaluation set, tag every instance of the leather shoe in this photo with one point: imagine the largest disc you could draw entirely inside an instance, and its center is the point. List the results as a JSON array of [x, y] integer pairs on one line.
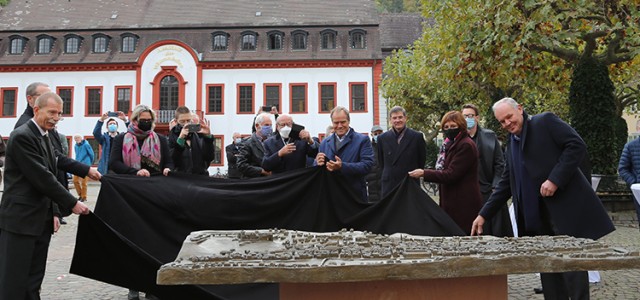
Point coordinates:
[[62, 221], [538, 290]]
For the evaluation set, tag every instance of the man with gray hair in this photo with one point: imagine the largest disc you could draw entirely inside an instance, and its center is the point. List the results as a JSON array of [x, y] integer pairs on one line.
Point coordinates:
[[252, 150], [400, 150]]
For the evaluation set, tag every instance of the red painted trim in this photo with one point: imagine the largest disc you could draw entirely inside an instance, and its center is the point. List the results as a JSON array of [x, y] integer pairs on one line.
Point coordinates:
[[222, 145], [86, 100], [67, 68], [351, 108], [199, 87], [136, 102], [288, 64], [253, 98], [58, 88], [115, 97], [168, 71], [264, 94], [70, 144], [306, 98], [335, 96], [15, 102], [208, 110], [96, 156], [377, 79], [321, 136]]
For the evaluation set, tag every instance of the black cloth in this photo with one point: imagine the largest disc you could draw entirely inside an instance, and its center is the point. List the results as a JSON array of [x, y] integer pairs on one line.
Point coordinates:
[[233, 151], [193, 158], [398, 154], [142, 221]]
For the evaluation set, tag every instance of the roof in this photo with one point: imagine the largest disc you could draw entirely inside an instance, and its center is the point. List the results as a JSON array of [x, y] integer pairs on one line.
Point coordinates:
[[397, 30], [138, 14]]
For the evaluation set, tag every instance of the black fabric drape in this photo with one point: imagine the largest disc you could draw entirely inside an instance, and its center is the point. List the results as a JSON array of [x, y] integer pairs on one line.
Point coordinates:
[[140, 222]]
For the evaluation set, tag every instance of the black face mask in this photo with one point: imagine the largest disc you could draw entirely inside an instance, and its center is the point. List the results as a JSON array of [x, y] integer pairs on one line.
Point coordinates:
[[451, 133], [144, 125]]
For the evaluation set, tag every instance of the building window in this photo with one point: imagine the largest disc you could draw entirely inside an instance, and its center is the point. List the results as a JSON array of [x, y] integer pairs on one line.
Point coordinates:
[[96, 148], [245, 98], [123, 99], [358, 96], [220, 41], [358, 39], [272, 95], [327, 96], [45, 43], [328, 39], [9, 97], [169, 93], [94, 101], [17, 45], [72, 44], [249, 41], [66, 93], [298, 93], [215, 98], [275, 40], [129, 42], [218, 147], [299, 40], [100, 43]]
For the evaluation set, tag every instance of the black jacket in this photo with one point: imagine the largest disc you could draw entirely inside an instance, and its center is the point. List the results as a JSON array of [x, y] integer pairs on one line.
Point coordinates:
[[295, 160], [233, 151], [250, 158], [194, 158], [116, 162], [396, 160], [374, 176]]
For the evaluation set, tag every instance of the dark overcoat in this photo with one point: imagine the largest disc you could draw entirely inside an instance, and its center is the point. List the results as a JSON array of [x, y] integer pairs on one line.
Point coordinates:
[[396, 160]]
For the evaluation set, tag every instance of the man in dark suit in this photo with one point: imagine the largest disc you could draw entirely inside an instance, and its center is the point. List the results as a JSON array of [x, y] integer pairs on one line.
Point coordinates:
[[233, 150], [400, 150], [283, 152], [490, 167], [346, 152], [26, 210], [252, 150], [551, 195]]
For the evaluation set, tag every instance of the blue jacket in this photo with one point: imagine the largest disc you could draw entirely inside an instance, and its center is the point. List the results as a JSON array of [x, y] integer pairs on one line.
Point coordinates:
[[629, 166], [104, 139], [357, 159], [296, 160], [84, 152]]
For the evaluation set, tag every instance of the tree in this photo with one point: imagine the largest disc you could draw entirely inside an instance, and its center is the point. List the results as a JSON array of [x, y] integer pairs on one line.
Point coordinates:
[[4, 2]]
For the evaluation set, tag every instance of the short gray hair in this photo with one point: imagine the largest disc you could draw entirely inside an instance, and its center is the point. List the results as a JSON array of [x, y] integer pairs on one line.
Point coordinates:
[[396, 109], [337, 109], [506, 100], [31, 89], [135, 114], [261, 118], [43, 100]]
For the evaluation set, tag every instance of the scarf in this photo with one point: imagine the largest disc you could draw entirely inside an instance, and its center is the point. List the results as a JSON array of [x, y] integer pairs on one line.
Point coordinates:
[[133, 155], [441, 154]]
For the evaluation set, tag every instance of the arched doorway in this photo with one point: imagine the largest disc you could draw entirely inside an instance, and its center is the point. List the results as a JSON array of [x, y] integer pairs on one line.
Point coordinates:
[[169, 93]]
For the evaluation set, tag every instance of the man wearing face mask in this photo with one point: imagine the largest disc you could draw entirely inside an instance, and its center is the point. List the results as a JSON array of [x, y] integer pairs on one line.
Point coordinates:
[[252, 150], [373, 178], [233, 151], [286, 153], [191, 151], [106, 139], [490, 167]]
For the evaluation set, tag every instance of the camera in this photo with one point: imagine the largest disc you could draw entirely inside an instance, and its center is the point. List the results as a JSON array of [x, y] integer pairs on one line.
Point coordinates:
[[112, 114], [193, 127]]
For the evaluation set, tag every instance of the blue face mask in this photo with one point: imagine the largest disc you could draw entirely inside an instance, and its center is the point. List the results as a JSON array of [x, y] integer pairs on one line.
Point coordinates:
[[112, 127], [375, 138], [266, 131], [470, 122]]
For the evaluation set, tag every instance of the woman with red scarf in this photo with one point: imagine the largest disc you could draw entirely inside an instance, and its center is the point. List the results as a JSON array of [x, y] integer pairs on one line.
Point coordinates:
[[141, 151], [456, 172]]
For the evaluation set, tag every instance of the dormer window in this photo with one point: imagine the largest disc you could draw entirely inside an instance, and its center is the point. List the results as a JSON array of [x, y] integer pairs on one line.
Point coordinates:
[[328, 39], [45, 43], [100, 43], [275, 40], [72, 43], [299, 40], [357, 39], [17, 44], [248, 41], [220, 41], [129, 41]]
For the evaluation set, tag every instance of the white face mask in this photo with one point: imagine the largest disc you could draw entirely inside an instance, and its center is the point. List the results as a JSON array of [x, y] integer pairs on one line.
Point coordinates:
[[238, 140], [284, 132]]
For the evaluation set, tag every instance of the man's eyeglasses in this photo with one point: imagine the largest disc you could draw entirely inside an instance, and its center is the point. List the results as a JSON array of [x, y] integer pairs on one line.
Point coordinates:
[[469, 116]]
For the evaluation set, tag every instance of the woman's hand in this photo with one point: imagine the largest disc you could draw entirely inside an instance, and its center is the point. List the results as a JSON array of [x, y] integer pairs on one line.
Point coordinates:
[[166, 171], [143, 173], [417, 173]]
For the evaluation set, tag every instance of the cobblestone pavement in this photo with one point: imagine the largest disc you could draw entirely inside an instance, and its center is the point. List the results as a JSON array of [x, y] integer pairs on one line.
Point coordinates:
[[60, 285]]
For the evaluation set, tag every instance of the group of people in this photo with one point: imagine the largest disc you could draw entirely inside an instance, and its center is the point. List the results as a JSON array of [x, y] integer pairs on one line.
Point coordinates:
[[539, 170]]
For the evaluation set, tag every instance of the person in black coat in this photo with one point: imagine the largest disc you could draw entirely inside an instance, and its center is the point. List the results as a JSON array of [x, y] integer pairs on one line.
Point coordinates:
[[374, 176], [141, 151], [551, 196], [400, 150], [233, 151], [490, 168], [26, 209], [252, 149], [191, 152], [282, 152]]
